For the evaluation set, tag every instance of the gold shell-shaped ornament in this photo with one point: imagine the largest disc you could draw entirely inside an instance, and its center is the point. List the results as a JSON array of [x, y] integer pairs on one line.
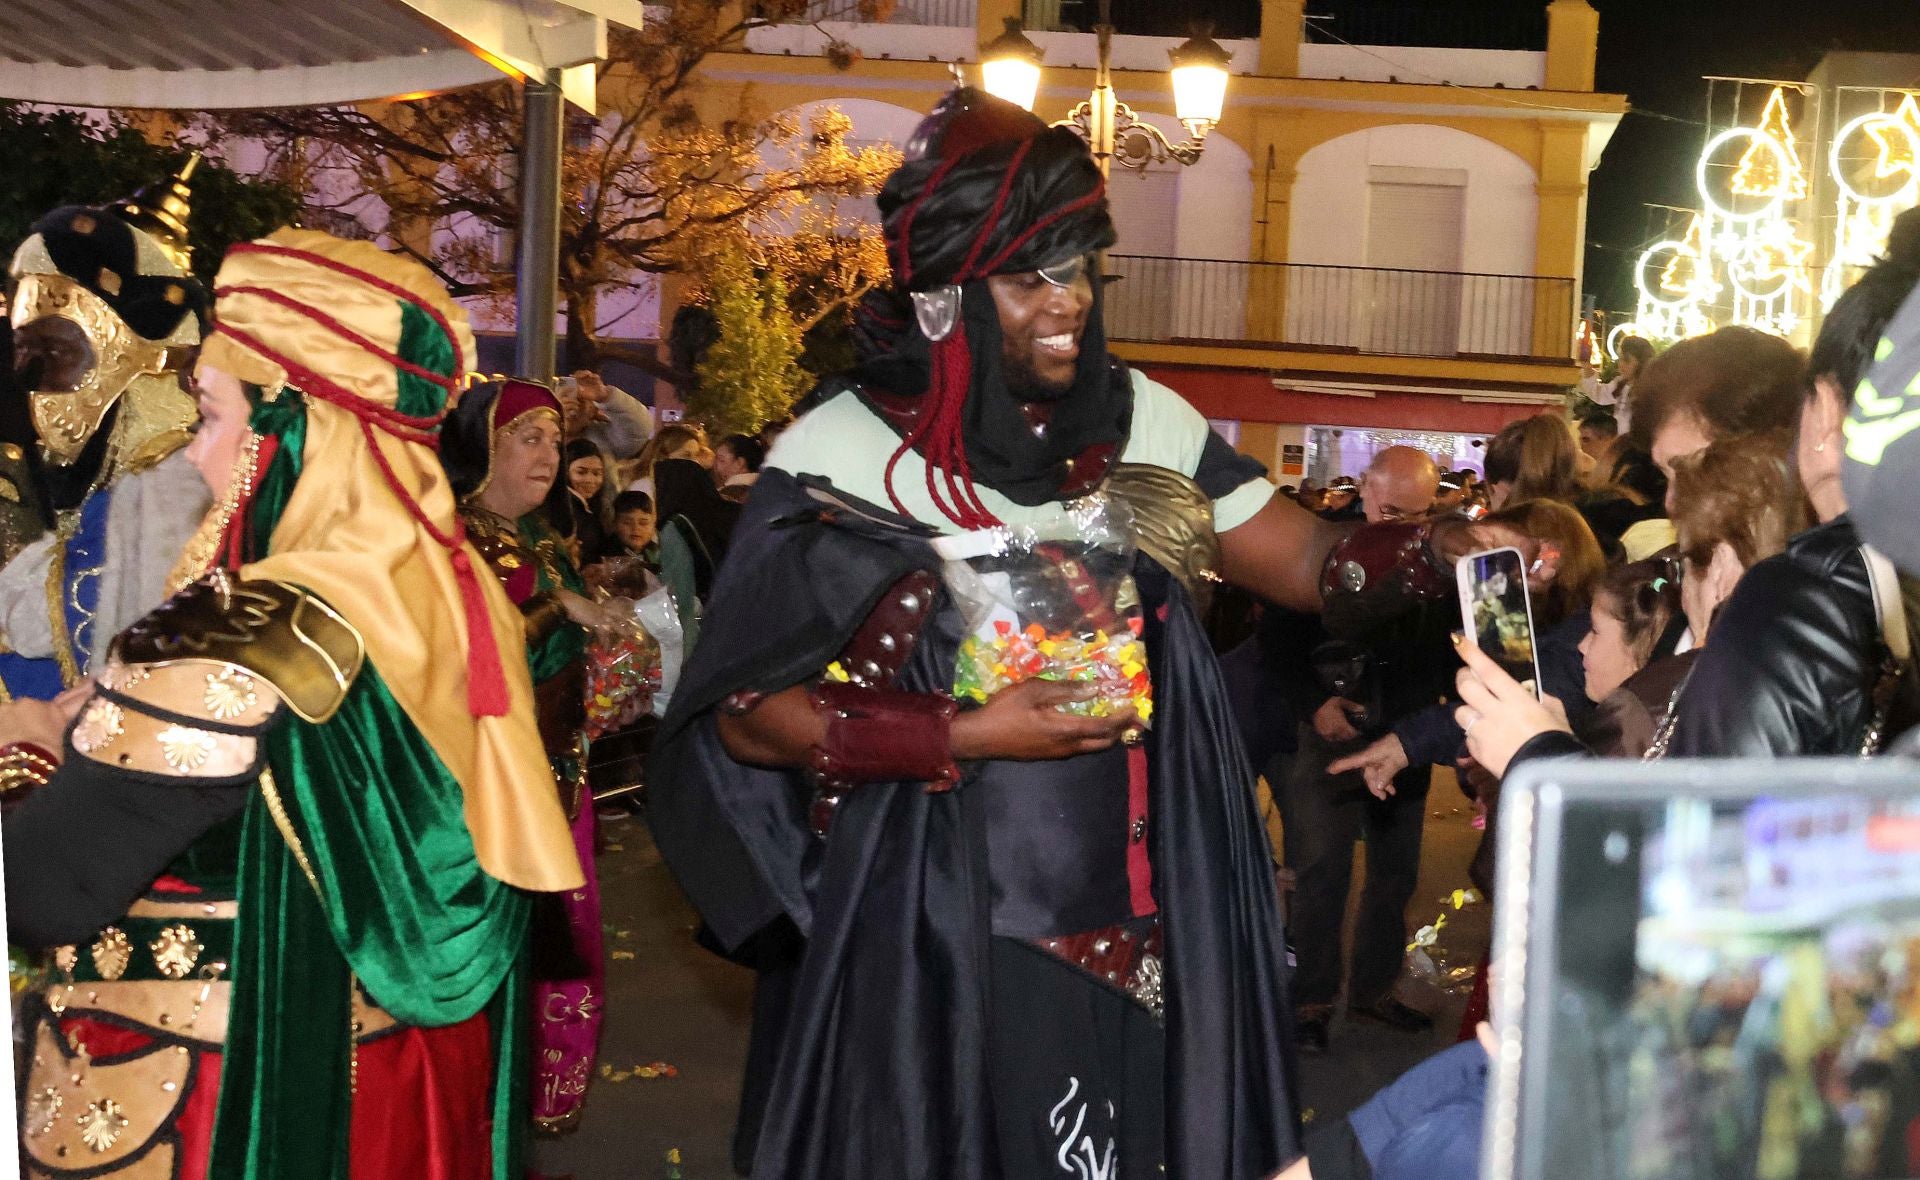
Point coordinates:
[[101, 1124], [111, 953], [43, 1110], [99, 725], [176, 951], [185, 749], [229, 693]]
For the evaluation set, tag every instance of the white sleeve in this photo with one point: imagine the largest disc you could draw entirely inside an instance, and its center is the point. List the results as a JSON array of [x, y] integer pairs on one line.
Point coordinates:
[[1168, 432]]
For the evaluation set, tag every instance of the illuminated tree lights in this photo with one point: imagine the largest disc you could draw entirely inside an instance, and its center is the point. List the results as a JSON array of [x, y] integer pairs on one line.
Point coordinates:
[[1743, 258], [1873, 167]]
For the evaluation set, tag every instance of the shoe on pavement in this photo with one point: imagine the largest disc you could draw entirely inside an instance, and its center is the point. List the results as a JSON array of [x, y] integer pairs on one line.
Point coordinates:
[[1388, 1010]]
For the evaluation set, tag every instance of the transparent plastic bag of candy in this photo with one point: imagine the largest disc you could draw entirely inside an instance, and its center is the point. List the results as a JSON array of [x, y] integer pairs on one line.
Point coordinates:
[[623, 669], [661, 617], [1052, 600]]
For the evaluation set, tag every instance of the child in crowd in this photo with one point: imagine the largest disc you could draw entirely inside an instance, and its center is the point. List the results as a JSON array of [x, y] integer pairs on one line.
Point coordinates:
[[635, 529]]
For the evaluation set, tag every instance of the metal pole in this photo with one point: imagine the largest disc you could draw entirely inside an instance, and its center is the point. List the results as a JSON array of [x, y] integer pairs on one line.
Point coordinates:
[[537, 253], [1104, 110]]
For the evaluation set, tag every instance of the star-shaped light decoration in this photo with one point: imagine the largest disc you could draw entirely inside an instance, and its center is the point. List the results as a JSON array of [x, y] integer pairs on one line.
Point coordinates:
[[1894, 138]]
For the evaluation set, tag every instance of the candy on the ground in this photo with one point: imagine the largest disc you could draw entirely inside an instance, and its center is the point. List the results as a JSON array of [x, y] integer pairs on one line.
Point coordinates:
[[1116, 663]]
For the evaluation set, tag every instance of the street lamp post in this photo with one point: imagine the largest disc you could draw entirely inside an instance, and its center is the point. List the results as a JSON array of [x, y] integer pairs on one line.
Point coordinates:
[[1010, 67]]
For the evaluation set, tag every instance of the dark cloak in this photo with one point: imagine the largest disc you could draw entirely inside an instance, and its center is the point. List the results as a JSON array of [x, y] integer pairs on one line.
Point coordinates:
[[880, 1014]]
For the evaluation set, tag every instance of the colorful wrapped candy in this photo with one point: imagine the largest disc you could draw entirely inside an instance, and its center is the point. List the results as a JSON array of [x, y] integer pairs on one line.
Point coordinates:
[[1053, 600], [1116, 663], [623, 673]]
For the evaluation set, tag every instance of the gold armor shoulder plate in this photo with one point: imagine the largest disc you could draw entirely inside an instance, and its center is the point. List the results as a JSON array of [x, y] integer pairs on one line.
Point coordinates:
[[1172, 523], [301, 647]]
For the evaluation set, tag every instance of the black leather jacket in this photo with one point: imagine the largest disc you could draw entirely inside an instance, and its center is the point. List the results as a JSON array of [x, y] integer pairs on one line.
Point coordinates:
[[1793, 659]]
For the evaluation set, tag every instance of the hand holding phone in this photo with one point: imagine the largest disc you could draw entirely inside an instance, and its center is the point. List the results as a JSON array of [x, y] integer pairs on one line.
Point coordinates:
[[1497, 612]]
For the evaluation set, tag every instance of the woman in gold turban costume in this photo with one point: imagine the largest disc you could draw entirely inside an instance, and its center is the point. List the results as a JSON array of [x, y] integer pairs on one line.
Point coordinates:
[[286, 857]]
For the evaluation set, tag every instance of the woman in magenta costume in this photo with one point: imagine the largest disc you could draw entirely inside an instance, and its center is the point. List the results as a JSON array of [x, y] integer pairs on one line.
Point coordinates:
[[501, 448]]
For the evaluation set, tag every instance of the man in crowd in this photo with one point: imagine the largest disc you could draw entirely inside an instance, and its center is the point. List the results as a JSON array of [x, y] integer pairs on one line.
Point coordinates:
[[1324, 814], [106, 319], [1342, 501], [1597, 432], [1009, 939]]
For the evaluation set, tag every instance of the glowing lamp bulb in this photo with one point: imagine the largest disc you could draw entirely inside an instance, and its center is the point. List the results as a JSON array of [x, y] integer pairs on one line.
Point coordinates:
[[1200, 82], [1010, 66]]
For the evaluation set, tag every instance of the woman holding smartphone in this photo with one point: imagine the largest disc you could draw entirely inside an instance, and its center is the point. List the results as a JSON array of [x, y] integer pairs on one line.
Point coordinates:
[[1735, 506]]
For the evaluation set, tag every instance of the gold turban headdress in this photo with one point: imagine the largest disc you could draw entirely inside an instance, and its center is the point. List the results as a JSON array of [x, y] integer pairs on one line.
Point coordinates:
[[371, 526]]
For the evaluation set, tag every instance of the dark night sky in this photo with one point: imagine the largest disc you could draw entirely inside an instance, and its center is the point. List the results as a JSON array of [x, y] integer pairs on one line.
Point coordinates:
[[1655, 52]]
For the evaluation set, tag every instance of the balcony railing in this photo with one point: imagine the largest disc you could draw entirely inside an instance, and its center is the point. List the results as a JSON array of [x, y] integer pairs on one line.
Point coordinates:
[[939, 14], [1339, 308]]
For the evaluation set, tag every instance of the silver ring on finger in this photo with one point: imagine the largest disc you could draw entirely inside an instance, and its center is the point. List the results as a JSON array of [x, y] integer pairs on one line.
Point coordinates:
[[1471, 722]]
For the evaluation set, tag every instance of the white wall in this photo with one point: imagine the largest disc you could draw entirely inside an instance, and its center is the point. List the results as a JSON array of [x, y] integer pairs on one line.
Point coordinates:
[[1396, 311], [1512, 68], [1329, 206]]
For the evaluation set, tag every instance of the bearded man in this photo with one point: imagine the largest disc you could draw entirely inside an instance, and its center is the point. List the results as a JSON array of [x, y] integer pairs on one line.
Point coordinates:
[[106, 317], [1005, 940]]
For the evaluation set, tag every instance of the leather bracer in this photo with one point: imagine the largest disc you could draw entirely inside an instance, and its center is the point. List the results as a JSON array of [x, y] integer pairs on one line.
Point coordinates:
[[879, 735]]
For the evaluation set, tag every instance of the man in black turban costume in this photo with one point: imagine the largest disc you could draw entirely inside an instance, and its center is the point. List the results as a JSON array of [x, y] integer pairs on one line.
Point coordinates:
[[1002, 941]]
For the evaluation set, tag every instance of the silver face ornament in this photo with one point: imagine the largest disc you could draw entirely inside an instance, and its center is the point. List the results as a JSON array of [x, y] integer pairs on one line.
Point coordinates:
[[938, 311]]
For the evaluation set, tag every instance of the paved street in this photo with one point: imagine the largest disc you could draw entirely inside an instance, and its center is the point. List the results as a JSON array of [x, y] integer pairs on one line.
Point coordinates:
[[672, 1002]]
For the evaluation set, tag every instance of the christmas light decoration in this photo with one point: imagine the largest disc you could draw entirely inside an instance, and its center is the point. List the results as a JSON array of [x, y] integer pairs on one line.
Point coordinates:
[[1872, 164], [1743, 258], [1771, 167]]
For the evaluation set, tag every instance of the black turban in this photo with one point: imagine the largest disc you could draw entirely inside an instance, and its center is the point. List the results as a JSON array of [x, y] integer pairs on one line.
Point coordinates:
[[96, 249], [988, 189]]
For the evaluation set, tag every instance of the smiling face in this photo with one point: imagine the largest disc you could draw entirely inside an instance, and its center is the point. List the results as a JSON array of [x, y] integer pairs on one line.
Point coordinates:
[[222, 432], [1041, 323], [585, 475], [526, 457]]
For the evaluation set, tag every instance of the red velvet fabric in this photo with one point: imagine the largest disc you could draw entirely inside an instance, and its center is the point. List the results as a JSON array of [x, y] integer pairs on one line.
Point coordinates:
[[1139, 864]]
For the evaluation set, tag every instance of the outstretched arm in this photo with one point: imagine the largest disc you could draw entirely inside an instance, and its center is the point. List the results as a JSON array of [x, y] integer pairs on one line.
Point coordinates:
[[1278, 553]]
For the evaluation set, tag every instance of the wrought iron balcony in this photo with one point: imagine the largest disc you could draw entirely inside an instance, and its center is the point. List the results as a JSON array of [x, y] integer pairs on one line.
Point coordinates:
[[1353, 309]]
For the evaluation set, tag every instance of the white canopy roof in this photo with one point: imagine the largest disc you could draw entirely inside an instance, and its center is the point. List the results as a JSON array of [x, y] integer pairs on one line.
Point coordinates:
[[224, 54]]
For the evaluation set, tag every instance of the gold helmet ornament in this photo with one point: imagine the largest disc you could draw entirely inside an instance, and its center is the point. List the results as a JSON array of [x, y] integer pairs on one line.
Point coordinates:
[[105, 311]]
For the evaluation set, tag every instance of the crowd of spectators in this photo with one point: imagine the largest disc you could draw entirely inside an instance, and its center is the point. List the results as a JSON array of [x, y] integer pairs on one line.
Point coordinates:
[[1699, 589]]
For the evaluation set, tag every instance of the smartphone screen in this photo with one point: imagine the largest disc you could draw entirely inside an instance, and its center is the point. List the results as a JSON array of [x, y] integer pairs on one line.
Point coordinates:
[[1496, 610]]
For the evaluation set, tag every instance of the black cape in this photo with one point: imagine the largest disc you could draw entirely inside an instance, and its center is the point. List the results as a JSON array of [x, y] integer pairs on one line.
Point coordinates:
[[870, 1028]]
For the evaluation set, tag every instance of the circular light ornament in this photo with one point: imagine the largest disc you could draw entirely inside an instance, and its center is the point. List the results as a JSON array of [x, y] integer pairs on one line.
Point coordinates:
[[1650, 292], [1760, 271], [1875, 123], [1783, 160], [1620, 332]]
